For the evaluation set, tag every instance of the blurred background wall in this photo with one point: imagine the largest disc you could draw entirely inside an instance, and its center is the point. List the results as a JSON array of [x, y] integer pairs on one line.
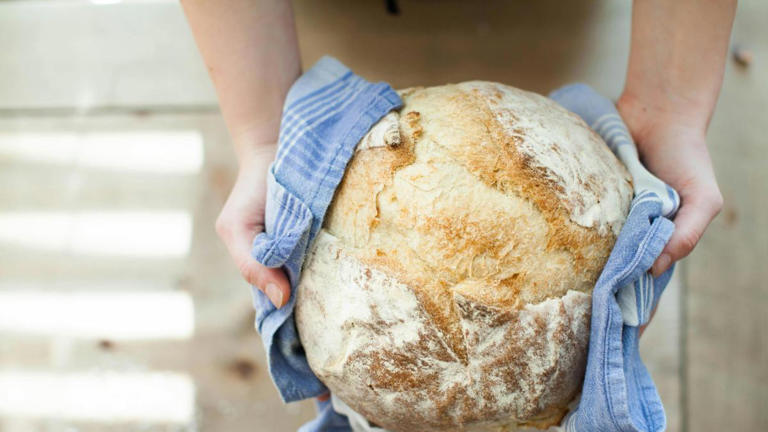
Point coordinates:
[[120, 309]]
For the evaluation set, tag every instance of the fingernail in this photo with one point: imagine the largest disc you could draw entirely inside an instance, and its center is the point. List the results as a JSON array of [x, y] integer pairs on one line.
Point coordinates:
[[662, 264], [275, 295]]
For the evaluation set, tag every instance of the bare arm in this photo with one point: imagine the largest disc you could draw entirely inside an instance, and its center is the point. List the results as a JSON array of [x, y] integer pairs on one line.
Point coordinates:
[[675, 71], [252, 55]]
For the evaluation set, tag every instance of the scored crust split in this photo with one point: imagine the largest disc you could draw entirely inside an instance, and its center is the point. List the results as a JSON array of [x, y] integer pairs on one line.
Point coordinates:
[[450, 286]]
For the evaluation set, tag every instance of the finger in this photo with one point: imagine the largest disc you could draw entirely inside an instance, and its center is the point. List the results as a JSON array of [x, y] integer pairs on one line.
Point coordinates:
[[270, 281], [694, 216]]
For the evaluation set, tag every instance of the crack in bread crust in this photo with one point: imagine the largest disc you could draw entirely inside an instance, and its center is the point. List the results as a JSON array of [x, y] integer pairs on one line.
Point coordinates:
[[472, 222], [392, 366]]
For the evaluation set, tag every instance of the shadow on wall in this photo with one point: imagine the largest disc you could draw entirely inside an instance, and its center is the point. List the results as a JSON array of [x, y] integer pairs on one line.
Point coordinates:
[[532, 45]]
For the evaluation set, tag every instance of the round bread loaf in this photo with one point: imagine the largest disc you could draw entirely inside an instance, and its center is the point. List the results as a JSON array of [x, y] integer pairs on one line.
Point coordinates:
[[450, 287]]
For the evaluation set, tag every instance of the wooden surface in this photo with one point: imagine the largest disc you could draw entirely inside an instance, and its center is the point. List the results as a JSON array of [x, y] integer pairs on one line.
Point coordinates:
[[66, 67], [726, 277]]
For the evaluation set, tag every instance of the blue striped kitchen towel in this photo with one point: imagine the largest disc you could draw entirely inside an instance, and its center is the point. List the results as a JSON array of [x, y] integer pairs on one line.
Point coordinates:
[[326, 112], [618, 393]]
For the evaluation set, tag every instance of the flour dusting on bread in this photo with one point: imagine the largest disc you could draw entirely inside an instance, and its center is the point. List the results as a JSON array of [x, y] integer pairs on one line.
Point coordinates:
[[449, 288], [555, 140]]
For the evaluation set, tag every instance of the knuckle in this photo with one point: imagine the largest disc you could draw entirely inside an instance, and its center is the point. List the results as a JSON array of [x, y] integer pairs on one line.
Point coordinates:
[[712, 200], [250, 273], [222, 227], [716, 201], [688, 241]]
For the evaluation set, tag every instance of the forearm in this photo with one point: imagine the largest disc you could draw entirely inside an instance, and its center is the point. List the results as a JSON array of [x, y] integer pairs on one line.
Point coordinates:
[[677, 57], [674, 76], [251, 52]]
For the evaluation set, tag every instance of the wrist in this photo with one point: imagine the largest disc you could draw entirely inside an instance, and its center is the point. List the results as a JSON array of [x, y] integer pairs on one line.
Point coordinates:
[[255, 145], [646, 112], [261, 154]]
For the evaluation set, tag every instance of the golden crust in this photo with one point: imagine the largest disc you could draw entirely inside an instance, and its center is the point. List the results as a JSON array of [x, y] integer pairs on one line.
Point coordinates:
[[459, 210]]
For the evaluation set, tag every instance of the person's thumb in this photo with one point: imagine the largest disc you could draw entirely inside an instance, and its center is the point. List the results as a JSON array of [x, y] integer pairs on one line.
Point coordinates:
[[698, 209], [270, 281]]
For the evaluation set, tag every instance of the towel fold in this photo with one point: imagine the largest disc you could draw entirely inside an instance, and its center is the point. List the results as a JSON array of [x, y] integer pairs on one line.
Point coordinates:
[[326, 112], [618, 393]]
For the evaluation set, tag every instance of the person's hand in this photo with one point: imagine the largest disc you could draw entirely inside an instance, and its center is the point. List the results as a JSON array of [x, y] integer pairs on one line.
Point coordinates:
[[672, 145], [242, 217]]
